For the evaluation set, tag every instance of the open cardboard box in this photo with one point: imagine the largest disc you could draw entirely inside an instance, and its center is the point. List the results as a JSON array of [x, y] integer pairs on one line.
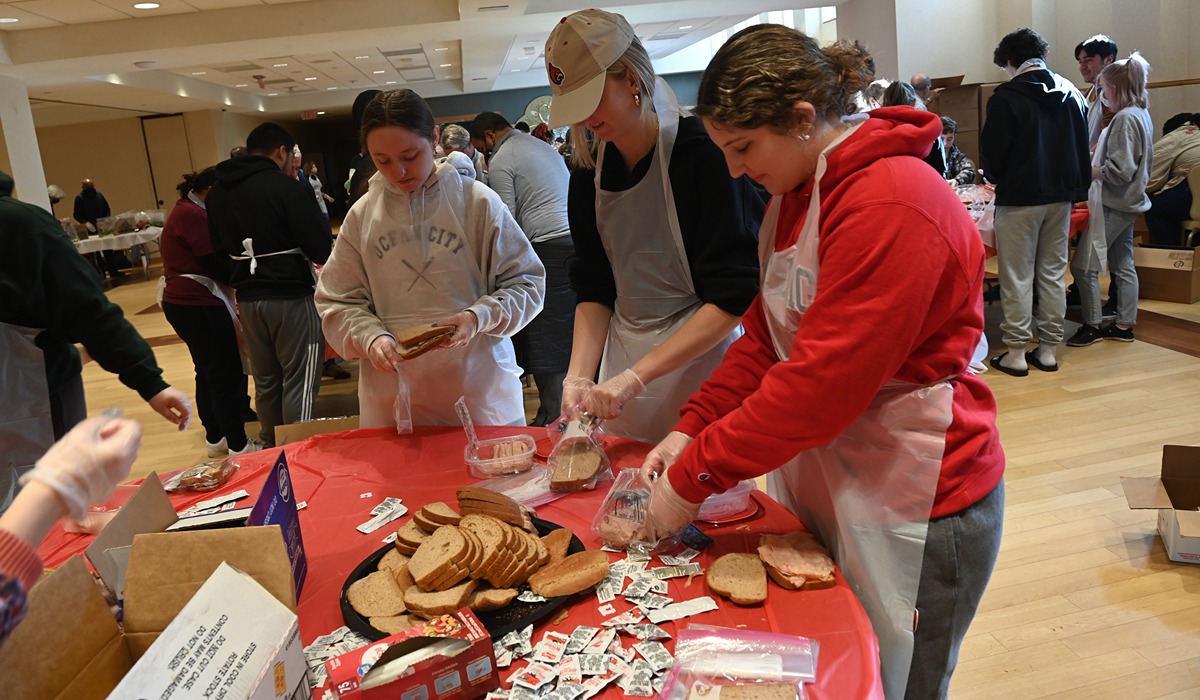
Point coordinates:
[[1167, 273], [70, 647], [1176, 495]]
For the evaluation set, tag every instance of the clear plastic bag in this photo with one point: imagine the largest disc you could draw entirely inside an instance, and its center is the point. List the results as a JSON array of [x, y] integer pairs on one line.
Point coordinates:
[[402, 405], [578, 461], [709, 658], [530, 488], [203, 477], [620, 517]]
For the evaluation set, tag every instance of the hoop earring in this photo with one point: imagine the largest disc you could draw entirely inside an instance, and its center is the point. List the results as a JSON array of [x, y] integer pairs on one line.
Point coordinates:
[[637, 99]]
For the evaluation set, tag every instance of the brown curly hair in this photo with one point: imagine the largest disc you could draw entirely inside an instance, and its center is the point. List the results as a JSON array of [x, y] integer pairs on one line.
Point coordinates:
[[762, 71]]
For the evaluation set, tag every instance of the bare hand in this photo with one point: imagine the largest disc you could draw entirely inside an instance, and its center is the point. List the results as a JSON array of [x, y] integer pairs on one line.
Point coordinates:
[[173, 405], [383, 354]]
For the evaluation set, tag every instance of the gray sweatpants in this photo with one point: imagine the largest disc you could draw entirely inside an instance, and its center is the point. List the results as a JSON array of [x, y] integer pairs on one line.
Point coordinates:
[[1031, 249], [287, 349]]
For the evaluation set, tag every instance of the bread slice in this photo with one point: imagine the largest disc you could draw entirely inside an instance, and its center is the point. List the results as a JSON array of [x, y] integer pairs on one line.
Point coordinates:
[[403, 579], [576, 573], [797, 561], [392, 560], [392, 624], [477, 493], [486, 599], [376, 595], [740, 577], [576, 466], [752, 691], [436, 557], [440, 513], [800, 583], [431, 604], [415, 341], [424, 522], [405, 549], [411, 534], [557, 543]]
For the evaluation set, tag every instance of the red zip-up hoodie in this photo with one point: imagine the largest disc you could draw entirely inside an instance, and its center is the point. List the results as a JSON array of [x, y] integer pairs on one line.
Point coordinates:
[[899, 296]]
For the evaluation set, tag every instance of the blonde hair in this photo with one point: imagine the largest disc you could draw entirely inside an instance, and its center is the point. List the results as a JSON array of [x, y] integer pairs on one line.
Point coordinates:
[[1127, 82], [634, 62], [759, 74]]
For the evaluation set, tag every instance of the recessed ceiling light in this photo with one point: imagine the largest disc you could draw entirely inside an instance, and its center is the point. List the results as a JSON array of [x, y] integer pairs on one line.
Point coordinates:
[[272, 94], [686, 26], [8, 20], [200, 72], [242, 85], [359, 58], [145, 6], [331, 88], [442, 48], [279, 65], [390, 82], [446, 65], [515, 70], [319, 113], [377, 72], [310, 78]]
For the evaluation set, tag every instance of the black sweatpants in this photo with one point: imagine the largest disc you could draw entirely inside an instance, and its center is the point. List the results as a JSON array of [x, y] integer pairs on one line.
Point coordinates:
[[220, 385]]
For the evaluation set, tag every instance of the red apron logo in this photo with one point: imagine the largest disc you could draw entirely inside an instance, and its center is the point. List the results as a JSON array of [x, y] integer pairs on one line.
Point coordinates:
[[556, 74]]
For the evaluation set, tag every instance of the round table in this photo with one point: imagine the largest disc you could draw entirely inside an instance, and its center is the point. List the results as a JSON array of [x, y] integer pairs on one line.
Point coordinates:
[[341, 476]]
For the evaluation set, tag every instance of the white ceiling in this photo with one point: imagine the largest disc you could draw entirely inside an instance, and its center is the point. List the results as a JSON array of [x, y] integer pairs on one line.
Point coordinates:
[[85, 60]]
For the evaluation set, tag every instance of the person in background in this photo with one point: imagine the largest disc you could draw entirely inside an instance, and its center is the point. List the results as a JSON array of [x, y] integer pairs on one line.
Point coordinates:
[[666, 255], [318, 189], [428, 246], [268, 224], [1034, 147], [237, 151], [361, 166], [861, 242], [80, 469], [200, 306], [901, 93], [457, 138], [90, 206], [1120, 171], [542, 132], [522, 126], [959, 168], [1175, 154], [926, 93], [872, 94], [50, 300], [532, 181], [56, 195], [1093, 55]]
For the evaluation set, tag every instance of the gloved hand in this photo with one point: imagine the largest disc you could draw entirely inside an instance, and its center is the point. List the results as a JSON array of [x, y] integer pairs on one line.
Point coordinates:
[[466, 325], [88, 462], [608, 398], [668, 512], [575, 389], [173, 405], [664, 455], [383, 354]]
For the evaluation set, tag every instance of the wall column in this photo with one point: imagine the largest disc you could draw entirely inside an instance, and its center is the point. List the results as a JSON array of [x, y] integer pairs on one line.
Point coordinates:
[[16, 120]]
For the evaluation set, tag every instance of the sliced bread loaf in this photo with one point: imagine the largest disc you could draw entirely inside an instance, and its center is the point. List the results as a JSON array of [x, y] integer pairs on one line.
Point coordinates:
[[576, 573]]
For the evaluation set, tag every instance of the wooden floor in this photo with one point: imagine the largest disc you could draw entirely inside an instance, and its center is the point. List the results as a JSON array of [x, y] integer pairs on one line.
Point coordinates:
[[1083, 602]]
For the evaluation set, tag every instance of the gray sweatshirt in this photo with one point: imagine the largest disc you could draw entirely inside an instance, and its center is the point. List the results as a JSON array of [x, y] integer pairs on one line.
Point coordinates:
[[1128, 157]]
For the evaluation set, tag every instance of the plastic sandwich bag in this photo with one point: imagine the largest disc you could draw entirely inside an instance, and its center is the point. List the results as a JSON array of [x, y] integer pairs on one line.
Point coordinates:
[[708, 659], [402, 405], [578, 461]]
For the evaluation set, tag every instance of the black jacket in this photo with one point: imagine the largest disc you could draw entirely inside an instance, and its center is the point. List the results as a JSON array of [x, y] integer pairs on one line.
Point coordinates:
[[254, 199], [1034, 144], [89, 206]]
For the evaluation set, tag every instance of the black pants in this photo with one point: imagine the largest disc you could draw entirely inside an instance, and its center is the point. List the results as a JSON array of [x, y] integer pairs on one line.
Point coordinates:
[[220, 385], [68, 407]]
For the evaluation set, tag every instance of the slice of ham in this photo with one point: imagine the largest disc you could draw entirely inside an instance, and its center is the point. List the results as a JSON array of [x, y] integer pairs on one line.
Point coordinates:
[[797, 556]]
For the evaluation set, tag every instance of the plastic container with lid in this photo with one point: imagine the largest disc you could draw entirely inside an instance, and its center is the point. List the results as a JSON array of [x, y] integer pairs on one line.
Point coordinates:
[[505, 455], [735, 501]]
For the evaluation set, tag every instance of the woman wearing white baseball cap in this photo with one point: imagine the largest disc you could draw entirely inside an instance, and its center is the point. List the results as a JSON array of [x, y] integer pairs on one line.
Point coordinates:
[[665, 240]]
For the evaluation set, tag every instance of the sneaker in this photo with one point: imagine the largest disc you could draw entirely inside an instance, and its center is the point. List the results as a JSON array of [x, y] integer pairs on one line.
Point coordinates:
[[219, 448], [1112, 332], [1086, 336], [252, 445], [1109, 311]]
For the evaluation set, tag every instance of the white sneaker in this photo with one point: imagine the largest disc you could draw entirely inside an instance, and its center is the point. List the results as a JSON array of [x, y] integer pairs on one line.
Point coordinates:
[[252, 445], [217, 449]]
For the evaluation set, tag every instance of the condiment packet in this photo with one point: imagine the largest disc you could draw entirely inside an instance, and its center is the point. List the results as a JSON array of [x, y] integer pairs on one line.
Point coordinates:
[[681, 558], [387, 505], [551, 649], [496, 695], [569, 671], [565, 691], [645, 630], [639, 587], [382, 519], [655, 654], [213, 505], [665, 572], [617, 649], [530, 597], [593, 685], [607, 548], [616, 667], [599, 643], [695, 606], [629, 617], [504, 658], [637, 555], [609, 587], [593, 664], [635, 569], [390, 539], [606, 609], [637, 681], [580, 638], [533, 676], [654, 601]]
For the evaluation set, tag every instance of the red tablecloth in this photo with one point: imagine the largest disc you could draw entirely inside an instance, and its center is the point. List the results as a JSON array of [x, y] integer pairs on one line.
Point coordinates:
[[334, 472]]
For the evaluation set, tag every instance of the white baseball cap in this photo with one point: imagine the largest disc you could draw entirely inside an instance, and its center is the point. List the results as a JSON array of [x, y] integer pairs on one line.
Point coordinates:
[[579, 52]]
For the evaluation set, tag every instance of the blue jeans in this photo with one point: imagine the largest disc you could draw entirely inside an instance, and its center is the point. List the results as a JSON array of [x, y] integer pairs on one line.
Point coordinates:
[[960, 552], [1118, 232]]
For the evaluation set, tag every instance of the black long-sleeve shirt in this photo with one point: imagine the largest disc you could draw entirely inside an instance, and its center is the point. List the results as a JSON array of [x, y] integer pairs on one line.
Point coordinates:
[[718, 219]]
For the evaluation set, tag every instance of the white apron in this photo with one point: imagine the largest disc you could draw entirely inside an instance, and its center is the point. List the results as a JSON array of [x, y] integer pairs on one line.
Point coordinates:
[[486, 370], [868, 493], [227, 295], [26, 429], [655, 295], [1091, 254]]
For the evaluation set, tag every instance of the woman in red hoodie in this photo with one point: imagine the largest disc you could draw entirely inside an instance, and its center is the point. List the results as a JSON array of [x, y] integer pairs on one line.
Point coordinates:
[[852, 373]]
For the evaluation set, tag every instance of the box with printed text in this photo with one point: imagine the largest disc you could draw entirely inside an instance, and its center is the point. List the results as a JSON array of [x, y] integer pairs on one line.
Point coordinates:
[[1175, 493]]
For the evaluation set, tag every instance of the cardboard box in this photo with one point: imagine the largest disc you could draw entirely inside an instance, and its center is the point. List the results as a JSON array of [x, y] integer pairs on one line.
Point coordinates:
[[70, 647], [1167, 273], [1176, 495], [232, 640], [448, 658], [295, 432]]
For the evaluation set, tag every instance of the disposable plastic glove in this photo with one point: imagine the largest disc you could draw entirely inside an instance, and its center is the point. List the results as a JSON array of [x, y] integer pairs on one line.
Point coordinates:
[[668, 512], [173, 405], [575, 389], [608, 398], [88, 462], [466, 325], [383, 354], [664, 455]]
